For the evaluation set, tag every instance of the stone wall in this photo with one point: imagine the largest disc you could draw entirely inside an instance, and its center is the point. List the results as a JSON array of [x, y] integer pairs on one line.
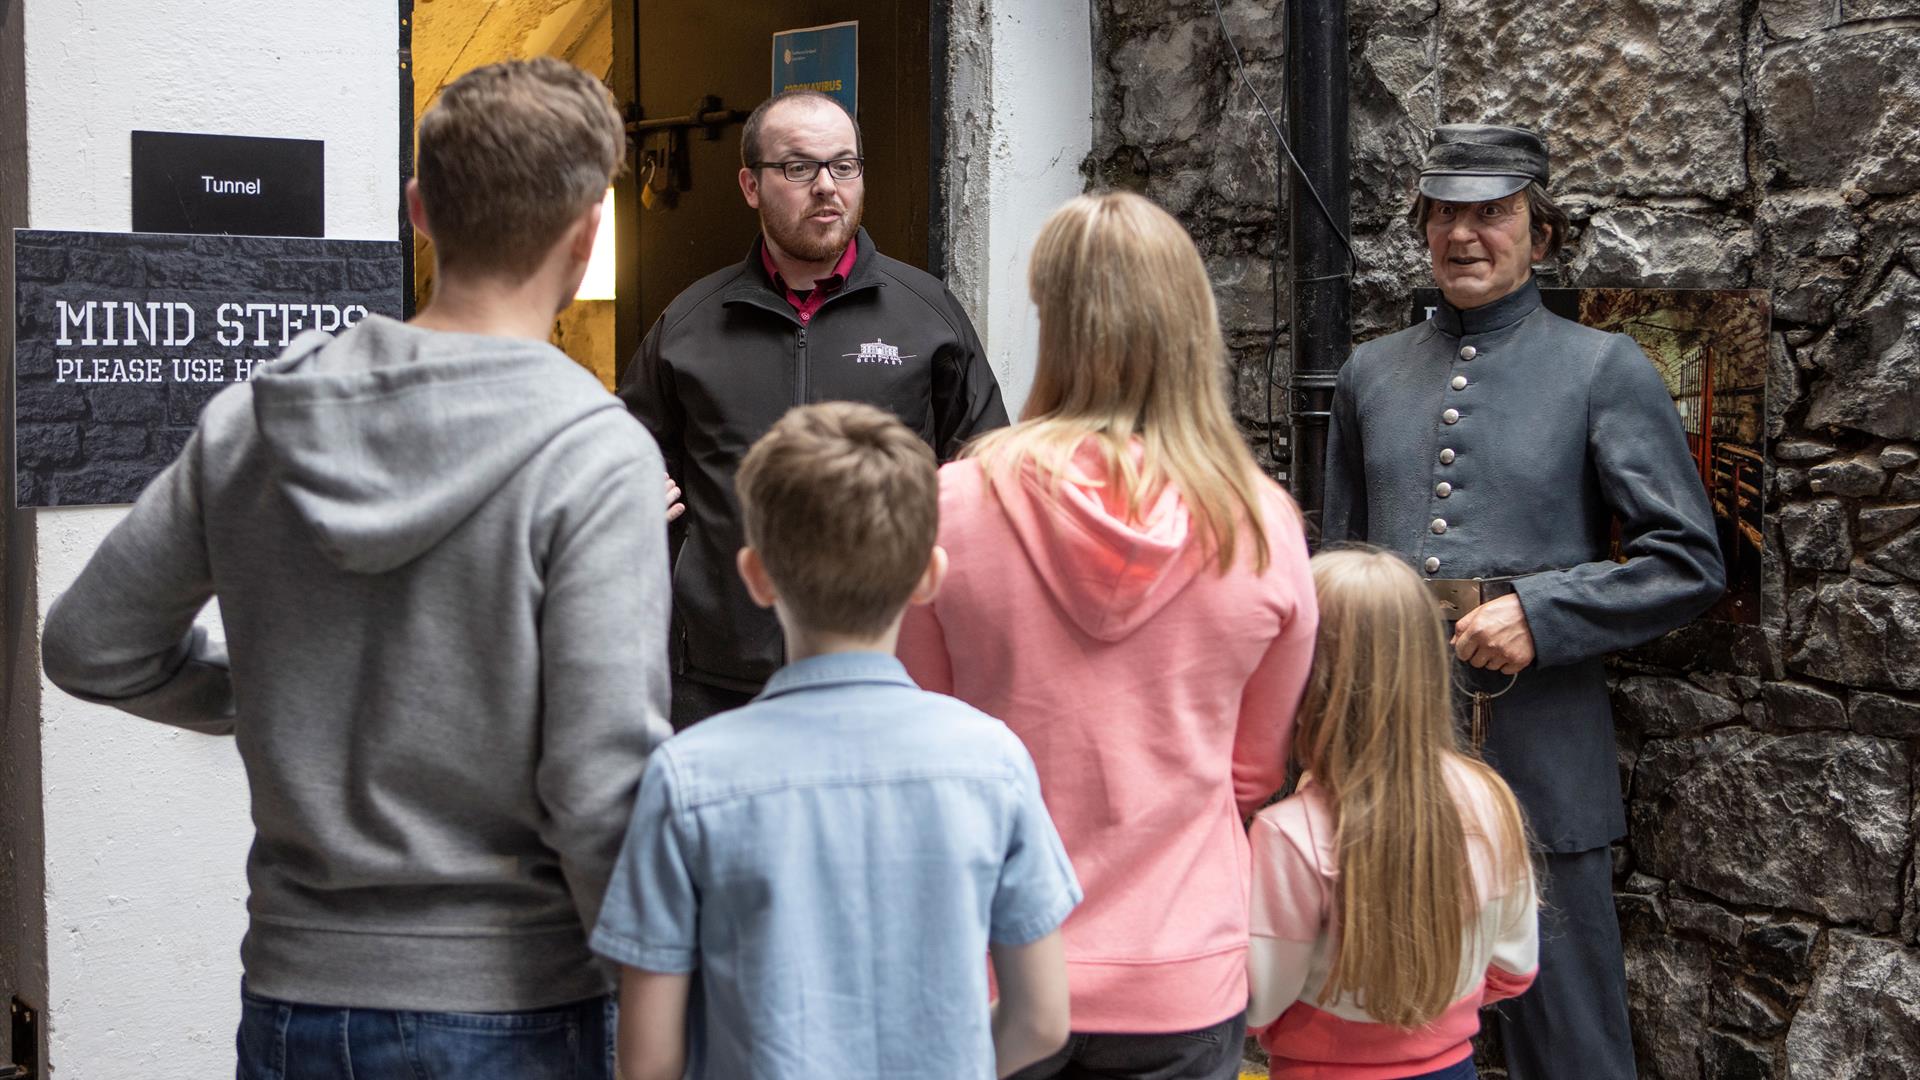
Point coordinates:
[[1767, 888]]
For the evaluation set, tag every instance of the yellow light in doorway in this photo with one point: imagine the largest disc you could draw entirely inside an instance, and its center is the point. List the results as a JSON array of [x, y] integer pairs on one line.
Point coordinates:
[[598, 284]]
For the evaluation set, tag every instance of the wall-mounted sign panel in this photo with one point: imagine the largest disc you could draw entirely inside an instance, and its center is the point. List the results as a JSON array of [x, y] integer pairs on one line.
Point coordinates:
[[121, 338], [232, 184], [1710, 347], [823, 58]]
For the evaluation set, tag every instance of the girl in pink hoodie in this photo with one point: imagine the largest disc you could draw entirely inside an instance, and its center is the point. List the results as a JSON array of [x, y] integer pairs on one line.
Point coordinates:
[[1130, 594]]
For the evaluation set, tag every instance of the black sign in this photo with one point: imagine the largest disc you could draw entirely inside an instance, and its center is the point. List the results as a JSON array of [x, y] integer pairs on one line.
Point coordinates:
[[228, 184], [121, 339]]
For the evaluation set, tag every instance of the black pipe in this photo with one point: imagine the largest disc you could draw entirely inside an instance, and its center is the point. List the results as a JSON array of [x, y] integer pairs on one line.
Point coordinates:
[[1321, 320]]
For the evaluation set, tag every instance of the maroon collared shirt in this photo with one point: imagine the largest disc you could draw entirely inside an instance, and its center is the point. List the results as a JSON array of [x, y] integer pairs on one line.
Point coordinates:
[[805, 304]]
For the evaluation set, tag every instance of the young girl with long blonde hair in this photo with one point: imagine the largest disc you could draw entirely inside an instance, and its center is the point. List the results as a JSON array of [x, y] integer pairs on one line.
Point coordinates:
[[1130, 595], [1392, 892]]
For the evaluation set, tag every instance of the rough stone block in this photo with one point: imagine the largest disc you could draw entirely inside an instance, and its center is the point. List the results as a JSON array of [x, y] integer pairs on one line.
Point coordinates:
[[1781, 950], [1905, 486], [1856, 476], [1841, 110], [126, 404], [1659, 707], [103, 483], [1160, 100], [1797, 18], [1673, 249], [1645, 100], [1244, 292], [1783, 384], [1865, 1003], [44, 445], [1736, 1006], [1667, 986], [1901, 556], [46, 404], [1816, 534], [1862, 635], [1898, 456], [1802, 450], [1872, 377], [1883, 714], [1880, 522], [1814, 822], [1703, 920], [1730, 1057], [117, 443], [1797, 707]]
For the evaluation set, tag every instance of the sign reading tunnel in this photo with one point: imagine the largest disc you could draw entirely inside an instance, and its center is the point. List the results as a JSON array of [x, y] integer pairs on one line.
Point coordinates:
[[120, 339]]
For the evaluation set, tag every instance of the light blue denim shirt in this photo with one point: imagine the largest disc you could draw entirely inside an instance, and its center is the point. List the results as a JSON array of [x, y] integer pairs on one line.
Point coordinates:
[[833, 859]]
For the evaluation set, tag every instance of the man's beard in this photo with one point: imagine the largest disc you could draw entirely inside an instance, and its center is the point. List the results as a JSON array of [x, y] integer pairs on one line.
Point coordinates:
[[807, 243]]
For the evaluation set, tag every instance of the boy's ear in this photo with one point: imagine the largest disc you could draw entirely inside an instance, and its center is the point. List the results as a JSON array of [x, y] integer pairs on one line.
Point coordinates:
[[584, 230], [417, 210], [754, 573], [932, 579]]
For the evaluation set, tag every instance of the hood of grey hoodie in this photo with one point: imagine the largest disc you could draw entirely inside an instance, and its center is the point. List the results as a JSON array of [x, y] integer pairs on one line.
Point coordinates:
[[387, 437]]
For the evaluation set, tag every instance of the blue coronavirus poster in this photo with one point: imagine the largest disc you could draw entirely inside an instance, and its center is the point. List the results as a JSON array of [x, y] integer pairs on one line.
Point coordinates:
[[823, 58]]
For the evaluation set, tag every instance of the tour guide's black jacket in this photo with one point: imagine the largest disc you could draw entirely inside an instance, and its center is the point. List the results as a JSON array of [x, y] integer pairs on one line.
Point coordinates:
[[729, 356]]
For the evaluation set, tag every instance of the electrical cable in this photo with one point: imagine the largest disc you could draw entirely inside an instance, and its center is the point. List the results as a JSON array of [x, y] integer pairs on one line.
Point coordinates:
[[1353, 260], [1279, 210]]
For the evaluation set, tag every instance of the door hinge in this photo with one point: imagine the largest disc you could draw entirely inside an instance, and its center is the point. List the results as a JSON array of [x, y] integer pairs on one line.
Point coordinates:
[[26, 1044]]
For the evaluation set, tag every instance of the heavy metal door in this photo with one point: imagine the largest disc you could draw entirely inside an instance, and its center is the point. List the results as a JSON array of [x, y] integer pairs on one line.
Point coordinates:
[[707, 59]]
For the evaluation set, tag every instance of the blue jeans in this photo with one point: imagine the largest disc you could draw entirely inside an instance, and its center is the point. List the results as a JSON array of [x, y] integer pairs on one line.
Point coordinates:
[[1462, 1071], [279, 1040]]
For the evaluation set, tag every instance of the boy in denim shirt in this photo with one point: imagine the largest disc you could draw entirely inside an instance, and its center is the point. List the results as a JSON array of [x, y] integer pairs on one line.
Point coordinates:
[[834, 858]]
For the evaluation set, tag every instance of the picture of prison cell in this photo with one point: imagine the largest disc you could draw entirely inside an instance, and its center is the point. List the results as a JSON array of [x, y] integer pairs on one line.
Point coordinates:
[[686, 76], [1710, 347]]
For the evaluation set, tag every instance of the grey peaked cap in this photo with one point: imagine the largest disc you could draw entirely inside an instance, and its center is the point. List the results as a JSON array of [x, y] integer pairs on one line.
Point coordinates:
[[1478, 162]]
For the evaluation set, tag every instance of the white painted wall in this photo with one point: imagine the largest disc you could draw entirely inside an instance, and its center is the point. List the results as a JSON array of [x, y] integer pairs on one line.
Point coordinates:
[[147, 827], [1036, 96]]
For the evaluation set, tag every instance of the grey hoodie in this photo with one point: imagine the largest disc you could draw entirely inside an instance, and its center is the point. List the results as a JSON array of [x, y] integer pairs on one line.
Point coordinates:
[[441, 564]]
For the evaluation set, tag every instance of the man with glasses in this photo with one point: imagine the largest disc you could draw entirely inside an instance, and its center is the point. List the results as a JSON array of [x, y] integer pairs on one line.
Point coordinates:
[[813, 313]]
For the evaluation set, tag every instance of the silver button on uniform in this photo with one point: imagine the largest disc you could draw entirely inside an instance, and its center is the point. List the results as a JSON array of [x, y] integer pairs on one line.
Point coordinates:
[[1432, 564], [1459, 382], [1439, 526], [1446, 456], [1443, 489], [1451, 416], [1468, 352]]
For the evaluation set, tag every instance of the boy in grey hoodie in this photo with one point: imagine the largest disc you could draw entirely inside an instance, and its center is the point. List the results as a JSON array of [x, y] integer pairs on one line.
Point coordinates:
[[440, 554]]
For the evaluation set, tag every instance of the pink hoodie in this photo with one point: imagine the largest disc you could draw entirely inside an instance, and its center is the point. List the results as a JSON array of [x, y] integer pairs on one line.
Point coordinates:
[[1157, 698]]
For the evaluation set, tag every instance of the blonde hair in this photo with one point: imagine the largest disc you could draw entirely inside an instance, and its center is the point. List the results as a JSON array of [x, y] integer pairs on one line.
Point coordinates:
[[1130, 348], [1376, 731], [511, 155], [843, 505]]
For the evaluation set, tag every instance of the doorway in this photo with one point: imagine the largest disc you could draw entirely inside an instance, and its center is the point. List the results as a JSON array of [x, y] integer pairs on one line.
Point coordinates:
[[665, 61], [689, 59]]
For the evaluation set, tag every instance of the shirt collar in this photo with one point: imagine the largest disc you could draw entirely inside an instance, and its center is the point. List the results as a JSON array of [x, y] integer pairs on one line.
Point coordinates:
[[1488, 318], [830, 283], [835, 668]]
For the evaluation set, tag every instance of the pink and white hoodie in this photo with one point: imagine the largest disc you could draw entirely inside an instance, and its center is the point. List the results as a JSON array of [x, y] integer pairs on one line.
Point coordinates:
[[1156, 696], [1294, 930]]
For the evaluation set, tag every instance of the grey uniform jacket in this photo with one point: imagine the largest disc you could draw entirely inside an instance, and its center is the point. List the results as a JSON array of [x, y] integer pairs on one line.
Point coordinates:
[[1502, 441]]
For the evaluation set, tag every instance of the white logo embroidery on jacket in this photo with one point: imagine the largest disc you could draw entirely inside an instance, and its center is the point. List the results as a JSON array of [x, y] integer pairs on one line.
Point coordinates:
[[878, 352]]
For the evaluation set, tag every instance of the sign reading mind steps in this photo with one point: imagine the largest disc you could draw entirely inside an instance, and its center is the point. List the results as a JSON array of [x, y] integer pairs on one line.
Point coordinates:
[[120, 340]]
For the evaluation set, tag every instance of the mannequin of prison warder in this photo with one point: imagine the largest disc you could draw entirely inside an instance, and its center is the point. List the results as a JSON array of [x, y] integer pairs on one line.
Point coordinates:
[[1493, 446]]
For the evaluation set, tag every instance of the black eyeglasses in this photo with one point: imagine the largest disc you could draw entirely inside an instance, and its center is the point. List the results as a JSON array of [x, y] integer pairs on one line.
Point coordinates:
[[801, 172]]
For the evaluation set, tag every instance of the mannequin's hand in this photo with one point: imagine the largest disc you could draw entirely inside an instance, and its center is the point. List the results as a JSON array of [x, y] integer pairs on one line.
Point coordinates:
[[1495, 635]]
